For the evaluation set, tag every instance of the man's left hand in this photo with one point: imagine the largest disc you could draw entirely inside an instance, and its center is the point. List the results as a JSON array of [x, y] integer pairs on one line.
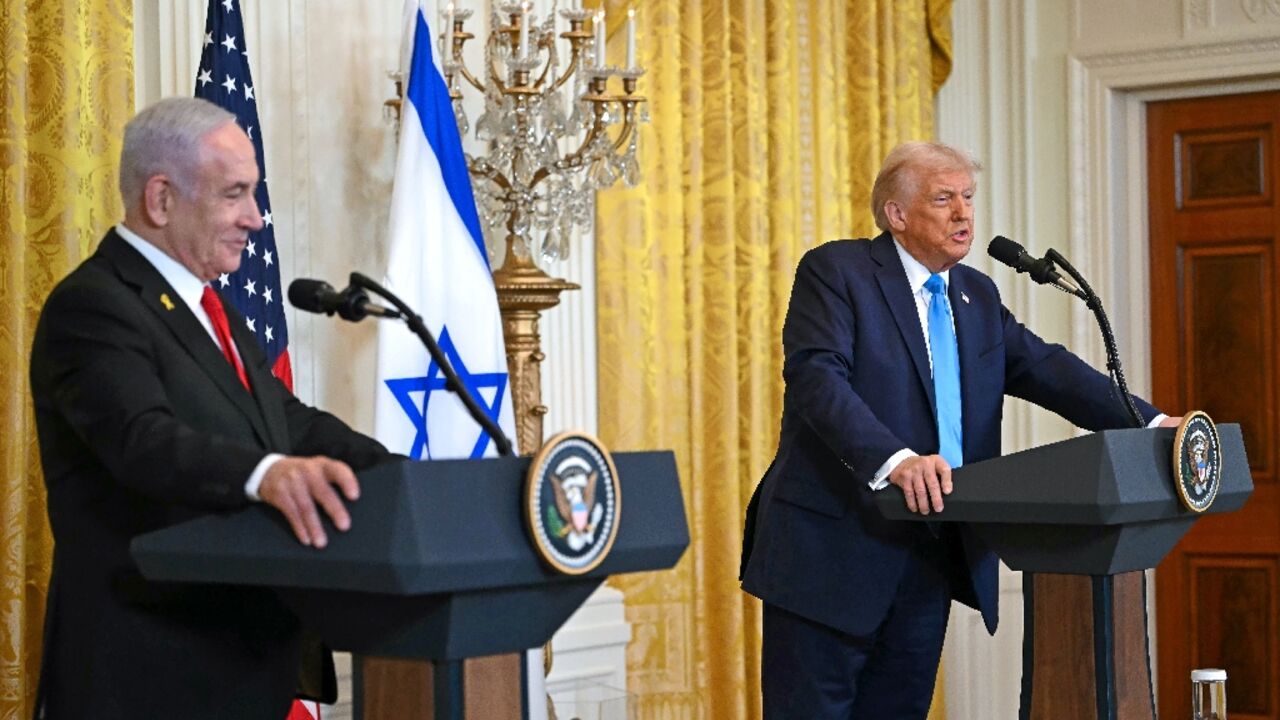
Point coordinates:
[[297, 485]]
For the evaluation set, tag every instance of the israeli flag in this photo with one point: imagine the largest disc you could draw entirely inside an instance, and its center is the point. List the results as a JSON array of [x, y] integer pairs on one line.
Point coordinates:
[[438, 265]]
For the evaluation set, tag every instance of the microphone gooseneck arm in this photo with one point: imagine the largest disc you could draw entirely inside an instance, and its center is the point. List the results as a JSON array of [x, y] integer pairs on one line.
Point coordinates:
[[452, 382], [1094, 303], [1064, 286]]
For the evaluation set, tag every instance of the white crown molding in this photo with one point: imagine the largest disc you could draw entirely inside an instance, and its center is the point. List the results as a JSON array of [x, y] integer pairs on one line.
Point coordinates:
[[1182, 55]]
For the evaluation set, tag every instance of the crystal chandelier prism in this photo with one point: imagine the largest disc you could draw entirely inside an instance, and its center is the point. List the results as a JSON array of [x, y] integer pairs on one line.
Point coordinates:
[[553, 130]]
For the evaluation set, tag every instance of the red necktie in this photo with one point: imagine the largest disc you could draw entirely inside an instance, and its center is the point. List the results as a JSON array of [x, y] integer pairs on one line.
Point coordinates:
[[212, 305]]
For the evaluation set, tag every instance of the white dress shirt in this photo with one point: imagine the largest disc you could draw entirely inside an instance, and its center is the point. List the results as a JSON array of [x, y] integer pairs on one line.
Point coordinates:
[[917, 275]]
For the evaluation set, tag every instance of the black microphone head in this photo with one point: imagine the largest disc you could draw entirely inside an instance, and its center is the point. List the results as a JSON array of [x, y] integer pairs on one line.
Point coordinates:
[[311, 295], [1006, 251]]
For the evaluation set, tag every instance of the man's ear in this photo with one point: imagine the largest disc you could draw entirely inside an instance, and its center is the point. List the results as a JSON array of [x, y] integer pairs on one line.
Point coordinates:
[[894, 214], [157, 200]]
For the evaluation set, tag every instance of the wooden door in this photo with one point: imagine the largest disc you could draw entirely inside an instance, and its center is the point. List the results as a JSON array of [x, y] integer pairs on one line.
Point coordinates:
[[1215, 259]]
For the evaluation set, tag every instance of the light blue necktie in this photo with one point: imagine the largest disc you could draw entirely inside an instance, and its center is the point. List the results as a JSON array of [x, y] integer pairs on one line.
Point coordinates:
[[946, 371]]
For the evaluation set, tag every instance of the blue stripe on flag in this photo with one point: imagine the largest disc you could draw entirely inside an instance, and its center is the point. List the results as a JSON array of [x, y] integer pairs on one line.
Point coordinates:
[[430, 98]]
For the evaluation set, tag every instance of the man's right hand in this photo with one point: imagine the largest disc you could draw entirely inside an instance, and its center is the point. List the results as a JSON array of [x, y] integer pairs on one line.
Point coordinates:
[[924, 479], [295, 485]]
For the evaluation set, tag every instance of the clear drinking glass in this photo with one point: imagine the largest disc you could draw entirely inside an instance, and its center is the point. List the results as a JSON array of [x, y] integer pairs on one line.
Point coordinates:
[[586, 700], [1209, 694]]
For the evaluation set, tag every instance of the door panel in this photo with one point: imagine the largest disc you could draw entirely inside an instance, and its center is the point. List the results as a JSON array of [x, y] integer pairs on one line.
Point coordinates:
[[1215, 225]]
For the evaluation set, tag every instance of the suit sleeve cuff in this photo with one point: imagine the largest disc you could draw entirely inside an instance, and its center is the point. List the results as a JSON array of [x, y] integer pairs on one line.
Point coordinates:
[[880, 480], [259, 472]]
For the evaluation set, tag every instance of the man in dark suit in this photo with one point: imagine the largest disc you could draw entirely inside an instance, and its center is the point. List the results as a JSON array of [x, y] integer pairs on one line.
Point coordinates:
[[897, 361], [154, 405]]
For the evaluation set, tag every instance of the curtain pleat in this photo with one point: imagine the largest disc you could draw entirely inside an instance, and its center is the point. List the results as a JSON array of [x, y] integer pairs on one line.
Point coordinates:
[[66, 90]]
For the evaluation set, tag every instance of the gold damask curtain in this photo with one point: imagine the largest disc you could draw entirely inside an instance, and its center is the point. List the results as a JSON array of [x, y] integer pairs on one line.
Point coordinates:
[[67, 90], [769, 122]]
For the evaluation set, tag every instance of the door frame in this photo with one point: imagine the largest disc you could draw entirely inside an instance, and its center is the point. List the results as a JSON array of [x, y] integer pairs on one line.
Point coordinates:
[[1107, 140]]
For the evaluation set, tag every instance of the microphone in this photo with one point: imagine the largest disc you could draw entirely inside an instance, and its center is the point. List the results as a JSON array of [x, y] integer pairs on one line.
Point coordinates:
[[1041, 270], [318, 296]]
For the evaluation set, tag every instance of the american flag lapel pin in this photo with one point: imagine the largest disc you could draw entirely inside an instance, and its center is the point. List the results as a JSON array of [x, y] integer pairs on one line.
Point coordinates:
[[165, 301]]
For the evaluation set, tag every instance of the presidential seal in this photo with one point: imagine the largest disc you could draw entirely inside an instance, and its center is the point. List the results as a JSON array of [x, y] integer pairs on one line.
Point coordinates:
[[1197, 461], [572, 503]]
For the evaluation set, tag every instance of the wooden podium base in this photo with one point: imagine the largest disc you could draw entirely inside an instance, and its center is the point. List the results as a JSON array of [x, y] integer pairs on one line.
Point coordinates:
[[1084, 648], [483, 688]]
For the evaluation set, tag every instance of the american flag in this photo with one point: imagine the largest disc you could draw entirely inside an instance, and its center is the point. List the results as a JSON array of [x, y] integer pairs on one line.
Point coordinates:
[[254, 289]]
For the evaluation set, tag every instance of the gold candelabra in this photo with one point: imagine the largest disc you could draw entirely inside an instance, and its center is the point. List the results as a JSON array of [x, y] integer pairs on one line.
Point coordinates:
[[530, 195]]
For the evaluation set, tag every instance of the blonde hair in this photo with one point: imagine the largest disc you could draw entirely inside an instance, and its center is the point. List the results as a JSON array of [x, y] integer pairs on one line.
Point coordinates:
[[900, 175]]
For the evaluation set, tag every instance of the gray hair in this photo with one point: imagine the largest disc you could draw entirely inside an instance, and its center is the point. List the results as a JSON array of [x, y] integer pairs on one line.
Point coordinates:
[[164, 139], [899, 176]]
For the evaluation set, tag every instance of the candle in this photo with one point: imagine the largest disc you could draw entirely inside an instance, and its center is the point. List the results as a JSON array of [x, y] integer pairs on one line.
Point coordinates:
[[448, 31], [524, 31], [600, 39], [631, 39]]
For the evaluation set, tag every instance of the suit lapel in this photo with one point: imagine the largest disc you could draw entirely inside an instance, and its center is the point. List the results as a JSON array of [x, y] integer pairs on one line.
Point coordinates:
[[968, 345], [892, 278], [163, 300]]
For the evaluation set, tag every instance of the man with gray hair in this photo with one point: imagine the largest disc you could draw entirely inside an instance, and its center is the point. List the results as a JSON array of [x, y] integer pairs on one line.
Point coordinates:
[[896, 361], [154, 405]]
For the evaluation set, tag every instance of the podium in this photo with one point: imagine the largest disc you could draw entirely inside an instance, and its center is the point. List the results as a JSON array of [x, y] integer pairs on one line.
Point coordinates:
[[437, 564], [1082, 519]]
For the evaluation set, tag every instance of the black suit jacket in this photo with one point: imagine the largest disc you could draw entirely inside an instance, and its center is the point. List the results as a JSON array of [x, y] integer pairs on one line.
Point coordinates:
[[142, 424], [858, 389]]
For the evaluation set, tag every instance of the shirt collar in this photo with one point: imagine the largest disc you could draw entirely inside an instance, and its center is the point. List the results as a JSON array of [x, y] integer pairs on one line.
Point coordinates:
[[917, 273], [183, 281]]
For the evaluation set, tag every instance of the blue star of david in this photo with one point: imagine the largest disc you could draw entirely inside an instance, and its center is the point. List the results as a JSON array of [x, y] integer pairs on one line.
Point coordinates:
[[434, 381]]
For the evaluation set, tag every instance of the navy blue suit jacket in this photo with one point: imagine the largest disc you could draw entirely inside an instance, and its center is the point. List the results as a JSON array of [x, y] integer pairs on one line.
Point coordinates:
[[858, 389]]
